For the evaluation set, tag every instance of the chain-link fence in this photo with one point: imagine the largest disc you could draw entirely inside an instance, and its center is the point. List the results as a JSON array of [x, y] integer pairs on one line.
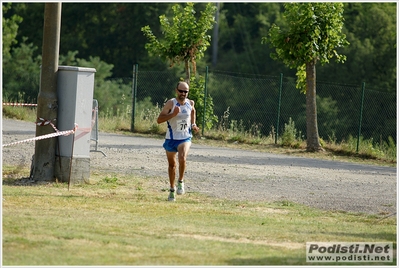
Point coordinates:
[[258, 104], [266, 103]]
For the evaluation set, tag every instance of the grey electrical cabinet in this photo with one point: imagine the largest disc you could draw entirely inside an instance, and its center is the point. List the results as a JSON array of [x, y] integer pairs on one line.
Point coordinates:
[[75, 88]]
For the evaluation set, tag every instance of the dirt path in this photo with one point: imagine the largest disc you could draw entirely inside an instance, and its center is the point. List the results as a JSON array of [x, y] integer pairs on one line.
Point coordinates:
[[235, 174]]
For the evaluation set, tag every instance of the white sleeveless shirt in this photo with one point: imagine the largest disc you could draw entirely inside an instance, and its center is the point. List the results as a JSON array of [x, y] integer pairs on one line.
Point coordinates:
[[179, 127]]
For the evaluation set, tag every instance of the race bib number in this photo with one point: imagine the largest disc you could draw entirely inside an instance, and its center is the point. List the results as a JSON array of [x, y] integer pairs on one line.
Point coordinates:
[[182, 125]]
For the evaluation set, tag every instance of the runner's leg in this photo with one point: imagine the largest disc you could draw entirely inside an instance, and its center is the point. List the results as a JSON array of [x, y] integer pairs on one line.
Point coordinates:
[[171, 168], [183, 149]]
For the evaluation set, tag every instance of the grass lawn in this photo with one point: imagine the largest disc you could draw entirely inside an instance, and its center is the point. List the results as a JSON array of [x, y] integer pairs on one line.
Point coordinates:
[[125, 220]]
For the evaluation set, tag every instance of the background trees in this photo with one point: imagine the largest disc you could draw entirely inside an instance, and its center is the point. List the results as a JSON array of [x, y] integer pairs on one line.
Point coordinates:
[[108, 37], [185, 37], [185, 40], [112, 32], [313, 35], [10, 29]]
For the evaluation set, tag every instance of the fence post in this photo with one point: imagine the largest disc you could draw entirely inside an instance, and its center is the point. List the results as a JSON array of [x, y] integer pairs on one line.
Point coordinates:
[[134, 95], [94, 126], [360, 118], [205, 93], [279, 107]]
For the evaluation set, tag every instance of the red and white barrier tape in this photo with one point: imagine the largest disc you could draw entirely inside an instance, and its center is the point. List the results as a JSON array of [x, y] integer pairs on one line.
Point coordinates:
[[18, 104], [47, 136], [43, 122]]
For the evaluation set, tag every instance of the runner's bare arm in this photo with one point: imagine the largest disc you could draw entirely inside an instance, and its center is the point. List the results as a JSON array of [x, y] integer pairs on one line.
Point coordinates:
[[166, 114], [193, 117]]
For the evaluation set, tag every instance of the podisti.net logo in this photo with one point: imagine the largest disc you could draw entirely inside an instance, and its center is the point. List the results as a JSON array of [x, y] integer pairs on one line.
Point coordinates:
[[349, 252]]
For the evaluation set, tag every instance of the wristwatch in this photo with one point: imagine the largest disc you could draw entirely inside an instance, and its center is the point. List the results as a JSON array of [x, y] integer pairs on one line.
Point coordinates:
[[193, 125]]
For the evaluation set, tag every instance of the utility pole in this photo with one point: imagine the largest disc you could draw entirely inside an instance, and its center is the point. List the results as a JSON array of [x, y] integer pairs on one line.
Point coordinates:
[[47, 107], [215, 37]]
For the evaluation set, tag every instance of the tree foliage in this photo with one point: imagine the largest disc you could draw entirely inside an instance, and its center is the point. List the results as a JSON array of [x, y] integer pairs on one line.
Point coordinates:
[[185, 38], [21, 74], [112, 31], [10, 29], [371, 29], [314, 33]]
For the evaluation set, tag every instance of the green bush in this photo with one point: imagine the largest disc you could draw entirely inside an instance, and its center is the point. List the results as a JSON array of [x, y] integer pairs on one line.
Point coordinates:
[[290, 136], [197, 94]]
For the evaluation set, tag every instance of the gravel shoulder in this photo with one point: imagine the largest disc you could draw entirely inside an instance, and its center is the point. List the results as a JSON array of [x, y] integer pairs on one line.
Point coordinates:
[[233, 173]]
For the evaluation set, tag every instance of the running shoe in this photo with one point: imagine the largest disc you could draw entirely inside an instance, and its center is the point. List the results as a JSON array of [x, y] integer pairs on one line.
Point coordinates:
[[180, 187], [171, 195]]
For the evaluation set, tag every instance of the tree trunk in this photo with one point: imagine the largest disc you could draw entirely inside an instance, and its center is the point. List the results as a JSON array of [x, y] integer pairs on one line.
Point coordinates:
[[312, 133], [187, 69]]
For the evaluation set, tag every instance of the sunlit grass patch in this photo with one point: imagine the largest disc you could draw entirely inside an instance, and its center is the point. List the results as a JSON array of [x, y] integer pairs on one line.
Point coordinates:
[[127, 220]]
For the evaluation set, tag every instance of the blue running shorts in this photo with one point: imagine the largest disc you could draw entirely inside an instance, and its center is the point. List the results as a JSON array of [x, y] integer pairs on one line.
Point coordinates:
[[171, 145]]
